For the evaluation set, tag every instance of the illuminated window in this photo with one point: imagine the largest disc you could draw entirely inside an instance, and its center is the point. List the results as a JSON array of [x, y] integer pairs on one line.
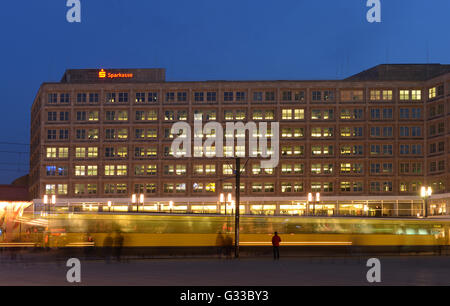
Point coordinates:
[[80, 152], [416, 95], [346, 167], [93, 116], [63, 152], [227, 169], [404, 95], [432, 93], [92, 188], [180, 169], [151, 170], [92, 170], [109, 170], [256, 187], [122, 152], [286, 187], [210, 169], [92, 152], [140, 97], [180, 188], [210, 187], [316, 168], [80, 170], [287, 114], [257, 115], [299, 114], [121, 169], [79, 189], [240, 115], [51, 152], [375, 95]]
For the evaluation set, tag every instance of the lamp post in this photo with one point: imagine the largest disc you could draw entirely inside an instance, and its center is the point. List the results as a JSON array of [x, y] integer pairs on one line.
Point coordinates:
[[309, 200], [425, 193], [141, 201], [45, 203], [133, 201], [221, 201], [52, 203], [317, 200]]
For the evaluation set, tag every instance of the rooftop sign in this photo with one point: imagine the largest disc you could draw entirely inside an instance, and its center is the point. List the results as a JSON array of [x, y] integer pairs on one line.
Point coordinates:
[[112, 75], [102, 74]]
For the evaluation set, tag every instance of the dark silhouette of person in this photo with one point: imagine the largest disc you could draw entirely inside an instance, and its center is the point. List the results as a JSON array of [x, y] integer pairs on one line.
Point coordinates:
[[107, 247], [228, 246], [220, 244], [118, 244], [276, 246], [88, 250]]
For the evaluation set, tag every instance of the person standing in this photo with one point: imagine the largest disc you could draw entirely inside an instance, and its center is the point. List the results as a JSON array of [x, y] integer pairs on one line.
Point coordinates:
[[276, 246]]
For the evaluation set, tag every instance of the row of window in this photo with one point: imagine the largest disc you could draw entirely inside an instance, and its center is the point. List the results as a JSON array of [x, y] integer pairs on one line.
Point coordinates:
[[255, 187], [241, 96], [299, 150], [234, 115], [287, 132], [255, 169]]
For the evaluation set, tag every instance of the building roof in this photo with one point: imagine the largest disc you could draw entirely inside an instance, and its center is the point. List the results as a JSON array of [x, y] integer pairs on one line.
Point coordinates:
[[14, 193], [401, 72]]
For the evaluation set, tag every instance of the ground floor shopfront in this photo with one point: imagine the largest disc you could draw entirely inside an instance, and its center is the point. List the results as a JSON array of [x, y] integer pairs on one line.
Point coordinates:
[[331, 206]]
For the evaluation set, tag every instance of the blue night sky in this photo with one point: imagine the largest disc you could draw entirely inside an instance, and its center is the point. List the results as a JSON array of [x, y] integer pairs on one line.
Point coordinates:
[[203, 40]]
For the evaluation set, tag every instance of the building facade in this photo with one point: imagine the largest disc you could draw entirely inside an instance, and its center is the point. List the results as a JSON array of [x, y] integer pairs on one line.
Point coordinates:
[[366, 143]]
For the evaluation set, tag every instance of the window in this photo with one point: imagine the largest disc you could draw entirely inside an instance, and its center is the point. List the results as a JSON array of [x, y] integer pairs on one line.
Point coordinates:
[[80, 170], [352, 95], [211, 96], [198, 96], [152, 97], [228, 96], [123, 97], [181, 96], [140, 97], [51, 116]]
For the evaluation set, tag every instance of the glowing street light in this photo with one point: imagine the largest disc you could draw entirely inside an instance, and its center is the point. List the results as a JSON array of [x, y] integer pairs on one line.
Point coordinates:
[[425, 193], [45, 204]]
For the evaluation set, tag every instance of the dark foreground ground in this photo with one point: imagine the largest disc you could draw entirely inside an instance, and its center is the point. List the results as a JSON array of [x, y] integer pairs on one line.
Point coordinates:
[[408, 270]]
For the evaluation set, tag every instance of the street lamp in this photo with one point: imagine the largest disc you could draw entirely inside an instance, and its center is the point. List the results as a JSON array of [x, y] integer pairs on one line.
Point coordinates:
[[425, 193], [53, 202], [221, 201], [141, 201], [45, 202], [309, 200], [228, 201], [171, 206], [133, 201], [109, 206], [317, 200]]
